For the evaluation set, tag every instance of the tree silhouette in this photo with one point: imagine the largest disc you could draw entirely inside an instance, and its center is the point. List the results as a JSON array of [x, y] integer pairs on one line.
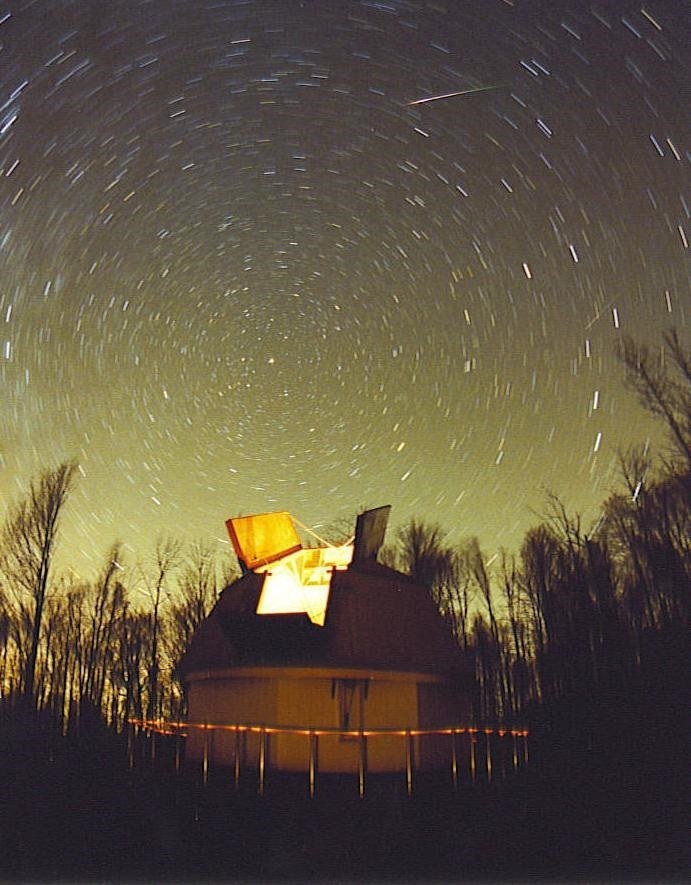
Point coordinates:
[[198, 589], [106, 604], [421, 551], [28, 541], [166, 560], [663, 385]]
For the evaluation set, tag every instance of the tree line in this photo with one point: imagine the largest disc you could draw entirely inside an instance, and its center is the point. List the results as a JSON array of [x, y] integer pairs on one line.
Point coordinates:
[[73, 648], [574, 615]]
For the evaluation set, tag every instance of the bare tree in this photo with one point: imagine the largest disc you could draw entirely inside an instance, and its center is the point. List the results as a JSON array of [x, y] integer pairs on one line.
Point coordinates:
[[455, 593], [198, 589], [166, 560], [5, 636], [108, 601], [132, 662], [422, 552], [474, 564], [28, 540], [649, 535], [538, 558], [520, 672], [662, 390]]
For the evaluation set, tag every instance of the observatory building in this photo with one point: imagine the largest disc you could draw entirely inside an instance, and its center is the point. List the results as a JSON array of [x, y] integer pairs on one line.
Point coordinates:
[[321, 641]]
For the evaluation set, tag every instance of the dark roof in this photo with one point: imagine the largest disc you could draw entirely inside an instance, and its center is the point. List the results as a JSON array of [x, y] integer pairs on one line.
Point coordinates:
[[376, 618]]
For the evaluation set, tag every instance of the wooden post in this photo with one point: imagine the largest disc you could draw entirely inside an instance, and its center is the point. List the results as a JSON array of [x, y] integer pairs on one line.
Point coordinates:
[[205, 757], [236, 757], [262, 759], [152, 742], [362, 764], [502, 753], [409, 761], [488, 754], [130, 744], [454, 760], [313, 749], [473, 762], [177, 746]]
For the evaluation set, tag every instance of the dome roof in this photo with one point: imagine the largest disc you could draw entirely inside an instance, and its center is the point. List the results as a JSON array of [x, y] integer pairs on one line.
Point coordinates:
[[376, 618]]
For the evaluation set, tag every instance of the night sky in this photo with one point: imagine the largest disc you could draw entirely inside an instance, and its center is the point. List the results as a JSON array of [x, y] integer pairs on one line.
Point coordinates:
[[242, 272]]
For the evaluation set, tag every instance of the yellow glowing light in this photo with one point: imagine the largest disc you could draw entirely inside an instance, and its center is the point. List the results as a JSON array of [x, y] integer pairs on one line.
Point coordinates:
[[300, 582]]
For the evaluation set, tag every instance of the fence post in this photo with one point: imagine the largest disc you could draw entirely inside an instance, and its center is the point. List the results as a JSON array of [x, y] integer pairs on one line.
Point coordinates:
[[262, 759], [313, 749], [488, 754], [130, 744], [205, 757], [236, 757], [409, 761], [473, 762], [362, 764], [454, 760], [177, 746]]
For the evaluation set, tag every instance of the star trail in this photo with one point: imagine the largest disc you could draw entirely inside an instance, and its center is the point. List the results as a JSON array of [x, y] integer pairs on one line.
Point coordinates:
[[246, 268]]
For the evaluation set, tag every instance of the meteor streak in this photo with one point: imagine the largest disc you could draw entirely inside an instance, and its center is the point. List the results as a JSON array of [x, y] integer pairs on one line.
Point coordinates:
[[453, 94]]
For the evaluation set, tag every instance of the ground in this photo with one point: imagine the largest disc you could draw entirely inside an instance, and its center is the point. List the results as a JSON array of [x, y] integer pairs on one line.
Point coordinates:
[[78, 812]]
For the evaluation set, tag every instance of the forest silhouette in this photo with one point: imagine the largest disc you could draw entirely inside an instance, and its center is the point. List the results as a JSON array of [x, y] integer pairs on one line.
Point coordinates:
[[581, 636]]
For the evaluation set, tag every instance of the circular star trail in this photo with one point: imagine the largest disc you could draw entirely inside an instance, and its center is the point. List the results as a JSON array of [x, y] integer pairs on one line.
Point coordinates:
[[246, 268]]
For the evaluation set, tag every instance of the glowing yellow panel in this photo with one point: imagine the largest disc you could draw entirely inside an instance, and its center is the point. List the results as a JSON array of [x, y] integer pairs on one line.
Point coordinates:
[[300, 582], [263, 538], [283, 593]]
